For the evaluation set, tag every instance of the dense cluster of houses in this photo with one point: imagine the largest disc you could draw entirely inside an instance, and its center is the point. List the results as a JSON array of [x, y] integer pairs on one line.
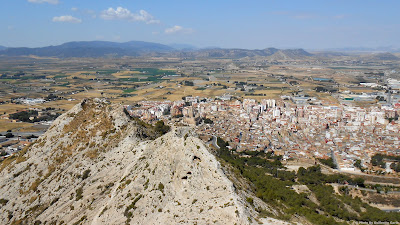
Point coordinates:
[[345, 133]]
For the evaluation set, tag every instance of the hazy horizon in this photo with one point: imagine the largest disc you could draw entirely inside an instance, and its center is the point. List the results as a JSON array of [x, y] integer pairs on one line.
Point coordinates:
[[260, 24], [347, 48]]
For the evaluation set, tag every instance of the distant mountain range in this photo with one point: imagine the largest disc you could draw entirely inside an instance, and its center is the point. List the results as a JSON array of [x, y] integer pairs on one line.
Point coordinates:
[[272, 53], [91, 49], [141, 48], [290, 54], [178, 46], [225, 53], [366, 49], [380, 56]]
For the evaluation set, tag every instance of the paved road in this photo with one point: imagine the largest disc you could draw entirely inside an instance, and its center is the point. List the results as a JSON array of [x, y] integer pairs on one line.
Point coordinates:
[[37, 133], [214, 142], [24, 134], [335, 160], [371, 175], [391, 210], [363, 189]]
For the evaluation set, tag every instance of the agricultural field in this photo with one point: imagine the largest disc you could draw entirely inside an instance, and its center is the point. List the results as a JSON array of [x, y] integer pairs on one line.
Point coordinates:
[[63, 83]]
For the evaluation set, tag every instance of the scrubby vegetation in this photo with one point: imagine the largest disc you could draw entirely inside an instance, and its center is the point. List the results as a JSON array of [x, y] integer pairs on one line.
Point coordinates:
[[206, 120], [127, 212], [3, 201], [78, 194], [329, 162], [150, 131], [273, 184], [161, 187], [395, 167], [358, 164], [85, 174], [377, 160], [161, 128], [18, 158], [31, 116], [380, 160]]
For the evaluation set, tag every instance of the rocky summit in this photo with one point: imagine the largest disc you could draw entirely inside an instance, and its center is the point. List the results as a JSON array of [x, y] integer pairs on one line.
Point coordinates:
[[97, 165]]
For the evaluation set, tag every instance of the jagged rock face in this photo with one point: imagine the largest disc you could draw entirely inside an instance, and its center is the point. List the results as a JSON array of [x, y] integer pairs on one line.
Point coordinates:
[[95, 166]]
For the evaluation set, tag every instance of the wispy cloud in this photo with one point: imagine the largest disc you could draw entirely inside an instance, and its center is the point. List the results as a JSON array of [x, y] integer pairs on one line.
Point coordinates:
[[295, 15], [54, 2], [124, 14], [304, 16], [66, 19], [178, 29], [84, 12]]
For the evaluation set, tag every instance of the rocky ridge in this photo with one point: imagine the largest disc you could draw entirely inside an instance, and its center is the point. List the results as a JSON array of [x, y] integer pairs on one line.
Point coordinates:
[[96, 165]]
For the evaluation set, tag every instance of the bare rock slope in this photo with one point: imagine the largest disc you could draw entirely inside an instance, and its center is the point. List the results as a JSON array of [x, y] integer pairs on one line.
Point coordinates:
[[96, 165]]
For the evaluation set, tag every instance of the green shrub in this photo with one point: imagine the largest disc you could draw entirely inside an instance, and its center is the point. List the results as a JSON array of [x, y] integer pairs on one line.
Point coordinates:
[[3, 201], [78, 194], [85, 174], [250, 200], [161, 128], [161, 187], [329, 162]]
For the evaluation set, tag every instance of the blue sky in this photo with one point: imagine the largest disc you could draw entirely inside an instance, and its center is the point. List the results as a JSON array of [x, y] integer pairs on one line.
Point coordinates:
[[254, 24]]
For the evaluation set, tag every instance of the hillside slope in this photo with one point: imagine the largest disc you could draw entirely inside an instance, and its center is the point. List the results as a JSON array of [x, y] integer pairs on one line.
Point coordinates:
[[90, 49], [96, 165], [290, 54], [380, 57], [149, 49]]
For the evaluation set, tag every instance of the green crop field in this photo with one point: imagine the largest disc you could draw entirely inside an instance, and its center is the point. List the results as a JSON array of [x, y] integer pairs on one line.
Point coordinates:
[[129, 90]]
